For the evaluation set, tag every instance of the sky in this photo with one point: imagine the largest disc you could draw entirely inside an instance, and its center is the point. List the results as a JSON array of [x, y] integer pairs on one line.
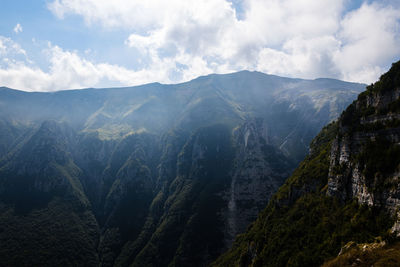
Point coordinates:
[[50, 45]]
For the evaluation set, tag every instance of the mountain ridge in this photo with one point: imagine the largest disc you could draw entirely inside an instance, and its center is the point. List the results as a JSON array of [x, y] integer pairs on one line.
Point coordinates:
[[140, 167], [208, 76]]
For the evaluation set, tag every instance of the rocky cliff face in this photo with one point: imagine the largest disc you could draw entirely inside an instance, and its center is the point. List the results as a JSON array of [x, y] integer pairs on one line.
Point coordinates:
[[371, 137]]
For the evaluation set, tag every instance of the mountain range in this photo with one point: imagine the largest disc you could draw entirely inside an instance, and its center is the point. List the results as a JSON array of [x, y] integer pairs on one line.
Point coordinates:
[[168, 175]]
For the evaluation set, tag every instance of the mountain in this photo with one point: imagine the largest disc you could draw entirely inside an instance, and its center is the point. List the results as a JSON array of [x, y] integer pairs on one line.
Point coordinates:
[[153, 175], [341, 205]]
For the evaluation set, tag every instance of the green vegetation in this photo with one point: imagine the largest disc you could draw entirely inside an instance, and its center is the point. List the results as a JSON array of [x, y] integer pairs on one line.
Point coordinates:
[[60, 234]]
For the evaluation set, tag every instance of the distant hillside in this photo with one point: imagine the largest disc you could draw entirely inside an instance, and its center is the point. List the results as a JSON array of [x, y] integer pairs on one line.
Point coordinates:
[[153, 175]]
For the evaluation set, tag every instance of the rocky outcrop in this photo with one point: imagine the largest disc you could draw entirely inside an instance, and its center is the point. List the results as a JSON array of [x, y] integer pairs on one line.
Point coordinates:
[[378, 253]]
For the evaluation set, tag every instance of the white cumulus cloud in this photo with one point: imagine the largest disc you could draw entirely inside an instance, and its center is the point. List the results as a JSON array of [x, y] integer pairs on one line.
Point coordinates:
[[18, 28], [68, 70], [10, 48], [370, 38]]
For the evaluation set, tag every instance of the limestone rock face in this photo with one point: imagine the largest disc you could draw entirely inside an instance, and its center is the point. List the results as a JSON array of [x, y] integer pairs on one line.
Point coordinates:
[[373, 133]]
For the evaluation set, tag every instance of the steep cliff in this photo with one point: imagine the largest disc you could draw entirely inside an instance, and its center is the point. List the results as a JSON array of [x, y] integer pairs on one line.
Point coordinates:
[[258, 171], [347, 189]]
